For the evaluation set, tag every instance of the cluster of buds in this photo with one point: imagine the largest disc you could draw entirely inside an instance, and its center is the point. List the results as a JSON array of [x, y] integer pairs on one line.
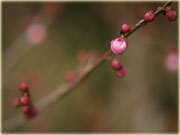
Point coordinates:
[[25, 102], [171, 15], [119, 45], [121, 71]]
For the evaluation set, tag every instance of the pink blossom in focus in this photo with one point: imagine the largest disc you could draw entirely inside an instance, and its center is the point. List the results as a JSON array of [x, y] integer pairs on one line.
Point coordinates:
[[119, 46], [36, 33], [171, 61]]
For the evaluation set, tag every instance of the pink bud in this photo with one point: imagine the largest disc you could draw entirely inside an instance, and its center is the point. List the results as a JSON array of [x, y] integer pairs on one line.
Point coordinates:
[[82, 71], [16, 102], [116, 64], [26, 109], [29, 111], [171, 62], [119, 45], [36, 33], [122, 72], [23, 87], [70, 76], [33, 112], [25, 100], [125, 28], [171, 15], [149, 16], [82, 56]]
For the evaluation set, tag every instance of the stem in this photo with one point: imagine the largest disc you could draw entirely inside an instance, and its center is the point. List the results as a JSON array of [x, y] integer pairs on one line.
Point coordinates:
[[65, 88]]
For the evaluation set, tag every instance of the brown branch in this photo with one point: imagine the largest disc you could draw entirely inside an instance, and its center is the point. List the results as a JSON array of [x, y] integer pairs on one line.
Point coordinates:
[[65, 88]]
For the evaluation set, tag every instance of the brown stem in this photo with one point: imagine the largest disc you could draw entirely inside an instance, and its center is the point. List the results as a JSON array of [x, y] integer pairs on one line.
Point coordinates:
[[65, 88]]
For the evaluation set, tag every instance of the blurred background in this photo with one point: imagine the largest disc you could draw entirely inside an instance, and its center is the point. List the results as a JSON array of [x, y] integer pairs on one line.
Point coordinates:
[[40, 44]]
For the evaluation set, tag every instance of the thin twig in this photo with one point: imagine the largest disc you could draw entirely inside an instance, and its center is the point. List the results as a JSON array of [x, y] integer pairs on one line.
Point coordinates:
[[65, 88]]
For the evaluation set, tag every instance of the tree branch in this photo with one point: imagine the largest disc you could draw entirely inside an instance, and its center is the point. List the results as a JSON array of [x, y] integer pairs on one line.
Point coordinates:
[[66, 88]]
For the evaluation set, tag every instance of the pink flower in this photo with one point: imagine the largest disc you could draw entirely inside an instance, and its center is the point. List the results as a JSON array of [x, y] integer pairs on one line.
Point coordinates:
[[29, 111], [116, 65], [171, 15], [119, 45], [125, 28], [25, 100], [122, 72], [82, 56], [70, 76], [171, 61], [16, 102], [23, 87], [36, 33], [149, 16]]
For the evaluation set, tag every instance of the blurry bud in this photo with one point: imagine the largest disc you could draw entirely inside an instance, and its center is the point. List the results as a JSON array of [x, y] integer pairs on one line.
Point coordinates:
[[25, 100], [70, 76], [36, 33], [122, 72], [82, 56], [16, 102], [116, 64], [23, 87], [171, 15], [171, 60]]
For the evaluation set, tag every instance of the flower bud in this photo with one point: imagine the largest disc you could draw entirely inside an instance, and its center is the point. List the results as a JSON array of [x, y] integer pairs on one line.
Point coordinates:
[[171, 61], [122, 72], [149, 16], [125, 28], [82, 56], [16, 102], [25, 100], [119, 45], [26, 109], [23, 87], [116, 64], [70, 76], [171, 15]]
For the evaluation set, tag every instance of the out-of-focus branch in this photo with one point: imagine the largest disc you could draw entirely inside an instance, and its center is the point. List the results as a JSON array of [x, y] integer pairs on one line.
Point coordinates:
[[65, 88]]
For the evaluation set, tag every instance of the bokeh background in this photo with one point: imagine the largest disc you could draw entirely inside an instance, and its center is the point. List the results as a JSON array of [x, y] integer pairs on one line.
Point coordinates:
[[40, 44]]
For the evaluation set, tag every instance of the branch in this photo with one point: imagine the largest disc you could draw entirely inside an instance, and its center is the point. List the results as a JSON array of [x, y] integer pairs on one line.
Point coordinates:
[[66, 88]]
